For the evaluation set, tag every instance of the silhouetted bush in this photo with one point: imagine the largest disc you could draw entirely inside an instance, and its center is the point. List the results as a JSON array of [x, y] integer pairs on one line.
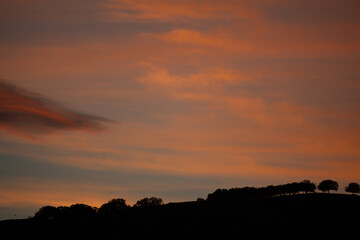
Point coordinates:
[[353, 188], [328, 185], [152, 201]]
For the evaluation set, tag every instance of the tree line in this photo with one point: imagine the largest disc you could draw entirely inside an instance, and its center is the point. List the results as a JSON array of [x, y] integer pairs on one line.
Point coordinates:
[[115, 206], [305, 186], [86, 212]]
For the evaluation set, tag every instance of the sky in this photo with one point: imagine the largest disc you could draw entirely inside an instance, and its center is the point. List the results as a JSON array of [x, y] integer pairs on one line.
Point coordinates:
[[174, 99]]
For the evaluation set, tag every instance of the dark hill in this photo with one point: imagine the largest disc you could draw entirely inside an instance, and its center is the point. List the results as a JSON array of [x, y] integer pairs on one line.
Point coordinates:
[[299, 213]]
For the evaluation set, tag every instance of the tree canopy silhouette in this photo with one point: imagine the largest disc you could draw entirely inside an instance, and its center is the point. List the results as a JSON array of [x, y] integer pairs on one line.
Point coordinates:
[[77, 211], [113, 206], [235, 194], [80, 211], [47, 213], [328, 185], [152, 201], [353, 188], [307, 186]]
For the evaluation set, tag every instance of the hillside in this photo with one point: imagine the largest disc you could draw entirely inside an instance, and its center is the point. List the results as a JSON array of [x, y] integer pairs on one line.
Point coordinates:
[[300, 212]]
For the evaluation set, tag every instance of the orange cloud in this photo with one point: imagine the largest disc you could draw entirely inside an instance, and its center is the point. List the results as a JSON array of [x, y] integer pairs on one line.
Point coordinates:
[[26, 114], [205, 77], [162, 10], [264, 28], [206, 84], [198, 39]]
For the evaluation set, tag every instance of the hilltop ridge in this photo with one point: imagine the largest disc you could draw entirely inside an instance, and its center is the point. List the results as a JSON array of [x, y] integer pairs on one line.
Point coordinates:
[[297, 212]]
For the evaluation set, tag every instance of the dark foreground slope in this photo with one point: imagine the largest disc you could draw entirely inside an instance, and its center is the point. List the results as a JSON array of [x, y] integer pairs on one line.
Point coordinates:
[[304, 213]]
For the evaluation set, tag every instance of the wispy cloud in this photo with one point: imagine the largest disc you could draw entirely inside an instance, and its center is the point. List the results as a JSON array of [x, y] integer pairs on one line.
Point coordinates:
[[27, 114], [160, 10]]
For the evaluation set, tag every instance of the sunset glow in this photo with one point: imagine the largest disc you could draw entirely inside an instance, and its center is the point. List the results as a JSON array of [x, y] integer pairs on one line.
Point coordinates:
[[174, 99]]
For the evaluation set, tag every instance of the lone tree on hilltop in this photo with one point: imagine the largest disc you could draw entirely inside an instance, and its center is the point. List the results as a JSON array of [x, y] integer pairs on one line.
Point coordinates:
[[113, 206], [353, 188], [327, 185], [152, 201]]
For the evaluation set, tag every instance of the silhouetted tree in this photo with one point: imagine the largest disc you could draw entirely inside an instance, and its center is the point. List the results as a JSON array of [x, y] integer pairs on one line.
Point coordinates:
[[290, 188], [353, 188], [328, 185], [47, 213], [80, 211], [113, 206], [307, 186], [152, 201]]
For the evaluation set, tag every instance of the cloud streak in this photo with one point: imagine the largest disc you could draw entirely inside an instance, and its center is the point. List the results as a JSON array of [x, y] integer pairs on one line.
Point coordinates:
[[27, 114]]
